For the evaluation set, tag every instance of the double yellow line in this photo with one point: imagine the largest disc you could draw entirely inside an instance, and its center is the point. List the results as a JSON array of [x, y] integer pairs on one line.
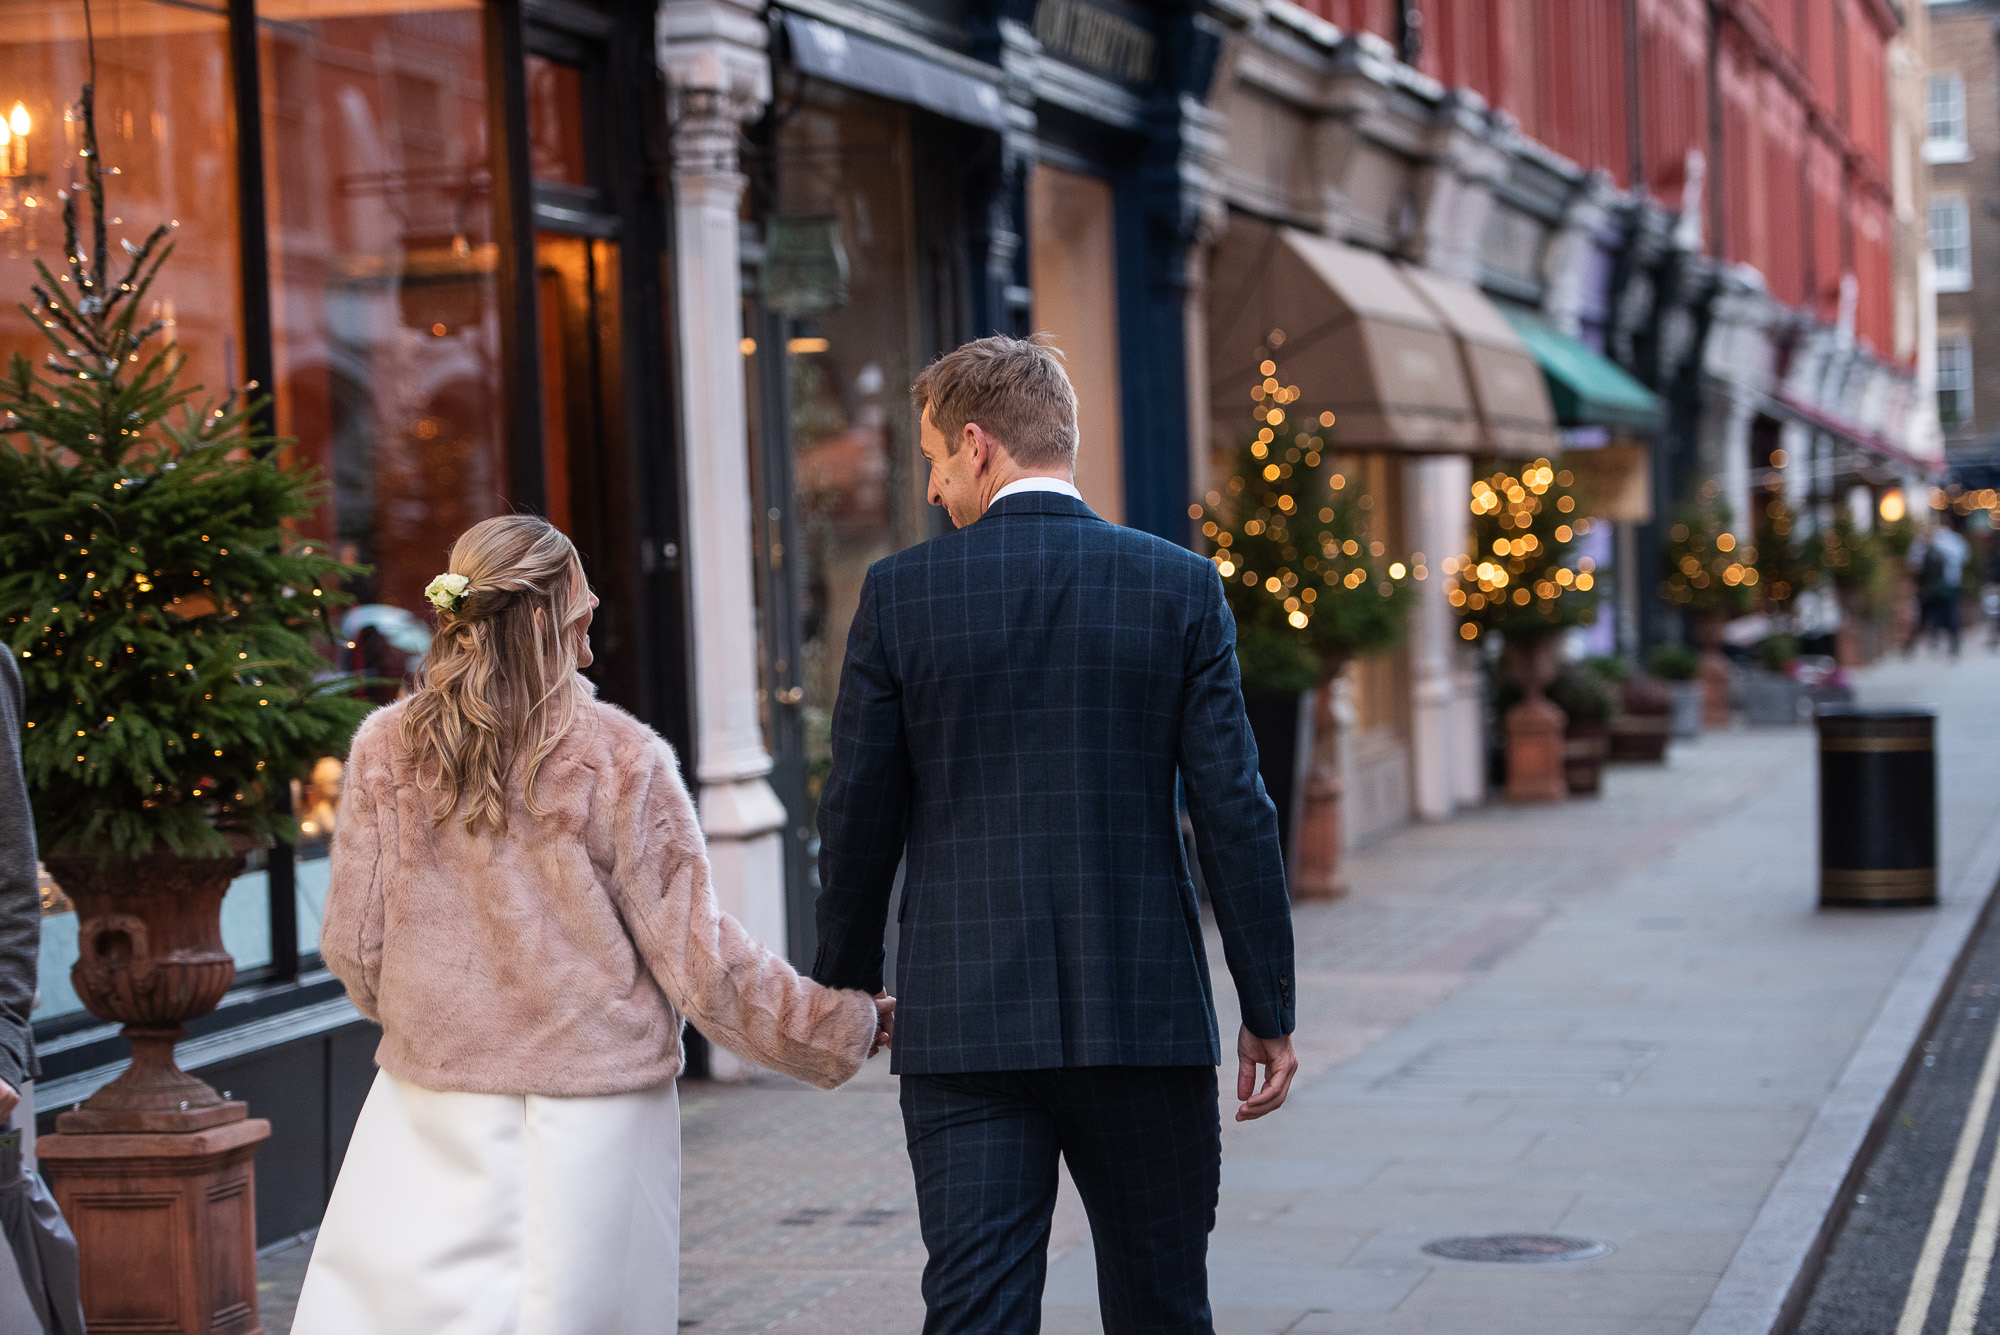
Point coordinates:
[[1944, 1221]]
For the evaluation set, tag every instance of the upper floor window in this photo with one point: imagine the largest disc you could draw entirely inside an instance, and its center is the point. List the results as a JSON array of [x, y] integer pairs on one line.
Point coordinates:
[[1954, 380], [1944, 119], [1951, 243]]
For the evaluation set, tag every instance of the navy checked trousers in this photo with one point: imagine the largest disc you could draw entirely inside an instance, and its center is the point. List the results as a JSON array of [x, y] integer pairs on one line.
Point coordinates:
[[1144, 1147]]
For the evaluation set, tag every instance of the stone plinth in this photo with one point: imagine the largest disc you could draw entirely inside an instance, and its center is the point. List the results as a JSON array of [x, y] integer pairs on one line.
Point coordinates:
[[165, 1224], [1535, 752]]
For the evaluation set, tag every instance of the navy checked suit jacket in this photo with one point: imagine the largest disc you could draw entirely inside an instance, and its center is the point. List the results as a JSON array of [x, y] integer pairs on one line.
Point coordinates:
[[1017, 700]]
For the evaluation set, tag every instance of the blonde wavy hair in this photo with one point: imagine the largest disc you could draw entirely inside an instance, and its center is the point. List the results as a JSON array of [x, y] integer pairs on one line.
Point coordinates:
[[499, 687]]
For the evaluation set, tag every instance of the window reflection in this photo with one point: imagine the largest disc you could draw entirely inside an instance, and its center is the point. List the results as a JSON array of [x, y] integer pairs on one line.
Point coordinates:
[[842, 260], [384, 296], [164, 127], [379, 202]]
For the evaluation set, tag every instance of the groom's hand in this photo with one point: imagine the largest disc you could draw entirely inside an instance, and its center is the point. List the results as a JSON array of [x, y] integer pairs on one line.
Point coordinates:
[[1280, 1065], [885, 1022]]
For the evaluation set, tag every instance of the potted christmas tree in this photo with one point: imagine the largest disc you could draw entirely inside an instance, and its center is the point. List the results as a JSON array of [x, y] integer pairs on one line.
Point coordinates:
[[1311, 589], [1520, 582], [1850, 558], [164, 614], [1709, 576]]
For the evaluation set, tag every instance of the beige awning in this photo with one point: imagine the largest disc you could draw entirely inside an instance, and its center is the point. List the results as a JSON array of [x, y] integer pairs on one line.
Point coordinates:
[[1343, 325], [1516, 418]]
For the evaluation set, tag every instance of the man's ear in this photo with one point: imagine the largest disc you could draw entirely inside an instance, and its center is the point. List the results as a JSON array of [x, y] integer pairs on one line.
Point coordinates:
[[974, 438]]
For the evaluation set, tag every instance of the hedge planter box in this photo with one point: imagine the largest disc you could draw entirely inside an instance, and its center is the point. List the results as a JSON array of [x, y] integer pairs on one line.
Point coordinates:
[[1583, 758], [1773, 700]]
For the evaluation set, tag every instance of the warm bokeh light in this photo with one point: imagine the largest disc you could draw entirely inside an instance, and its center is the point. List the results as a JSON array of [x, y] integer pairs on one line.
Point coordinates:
[[1891, 507]]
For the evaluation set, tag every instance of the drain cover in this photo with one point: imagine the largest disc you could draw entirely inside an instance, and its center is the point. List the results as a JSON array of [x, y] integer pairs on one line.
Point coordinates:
[[1519, 1248]]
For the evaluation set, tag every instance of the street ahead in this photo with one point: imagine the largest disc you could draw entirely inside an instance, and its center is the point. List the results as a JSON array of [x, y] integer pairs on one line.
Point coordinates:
[[1915, 1256]]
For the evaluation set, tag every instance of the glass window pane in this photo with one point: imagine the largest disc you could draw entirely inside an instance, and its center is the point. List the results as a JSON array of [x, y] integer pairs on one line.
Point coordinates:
[[842, 263], [555, 122], [164, 128], [55, 997], [384, 291], [246, 920]]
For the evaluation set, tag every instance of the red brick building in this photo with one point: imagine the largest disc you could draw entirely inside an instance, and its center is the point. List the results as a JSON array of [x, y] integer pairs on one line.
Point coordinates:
[[1786, 101]]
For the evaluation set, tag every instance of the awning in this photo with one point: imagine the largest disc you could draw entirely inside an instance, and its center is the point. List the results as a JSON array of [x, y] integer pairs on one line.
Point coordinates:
[[854, 61], [1515, 417], [1587, 388], [1347, 329], [1882, 448]]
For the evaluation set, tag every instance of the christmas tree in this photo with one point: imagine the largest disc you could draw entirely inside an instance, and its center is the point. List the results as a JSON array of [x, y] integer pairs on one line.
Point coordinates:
[[1292, 537], [1786, 566], [1848, 555], [163, 611], [1518, 578], [1703, 567]]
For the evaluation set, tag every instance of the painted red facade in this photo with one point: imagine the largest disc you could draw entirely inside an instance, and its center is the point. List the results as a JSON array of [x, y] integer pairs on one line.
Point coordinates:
[[1786, 101]]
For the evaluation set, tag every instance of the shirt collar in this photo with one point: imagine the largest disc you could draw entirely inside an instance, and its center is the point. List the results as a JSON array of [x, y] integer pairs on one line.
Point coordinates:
[[1028, 484]]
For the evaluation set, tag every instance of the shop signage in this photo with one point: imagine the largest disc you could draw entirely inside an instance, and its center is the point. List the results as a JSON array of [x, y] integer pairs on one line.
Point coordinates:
[[1097, 39], [805, 266]]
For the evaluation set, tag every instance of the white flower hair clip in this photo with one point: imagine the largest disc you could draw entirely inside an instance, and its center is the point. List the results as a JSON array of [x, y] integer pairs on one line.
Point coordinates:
[[447, 592]]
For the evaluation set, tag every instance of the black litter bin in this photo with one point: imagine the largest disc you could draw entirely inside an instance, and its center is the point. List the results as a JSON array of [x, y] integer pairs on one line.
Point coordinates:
[[1877, 805]]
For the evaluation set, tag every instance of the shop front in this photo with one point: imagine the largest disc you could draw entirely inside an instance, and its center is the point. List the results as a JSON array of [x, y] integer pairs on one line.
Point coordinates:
[[906, 187], [424, 231]]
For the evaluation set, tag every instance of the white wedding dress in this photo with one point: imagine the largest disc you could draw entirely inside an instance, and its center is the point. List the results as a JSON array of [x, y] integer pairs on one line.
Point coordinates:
[[485, 1214]]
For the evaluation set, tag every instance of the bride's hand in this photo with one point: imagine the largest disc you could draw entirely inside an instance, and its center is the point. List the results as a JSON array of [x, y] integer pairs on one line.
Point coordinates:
[[885, 1022]]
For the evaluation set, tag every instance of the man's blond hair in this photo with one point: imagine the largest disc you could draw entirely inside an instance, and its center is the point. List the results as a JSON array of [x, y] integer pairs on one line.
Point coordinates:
[[1015, 388]]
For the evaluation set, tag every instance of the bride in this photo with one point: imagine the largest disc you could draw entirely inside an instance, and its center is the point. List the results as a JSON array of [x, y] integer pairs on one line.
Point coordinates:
[[520, 897]]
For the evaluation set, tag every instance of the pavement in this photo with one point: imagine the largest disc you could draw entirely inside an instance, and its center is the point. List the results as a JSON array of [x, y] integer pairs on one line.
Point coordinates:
[[1615, 1019]]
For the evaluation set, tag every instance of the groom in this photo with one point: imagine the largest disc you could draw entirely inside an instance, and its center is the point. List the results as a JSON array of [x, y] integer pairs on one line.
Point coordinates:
[[1020, 701]]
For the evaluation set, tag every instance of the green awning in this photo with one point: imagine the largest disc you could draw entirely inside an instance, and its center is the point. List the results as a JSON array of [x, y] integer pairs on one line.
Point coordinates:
[[1586, 387]]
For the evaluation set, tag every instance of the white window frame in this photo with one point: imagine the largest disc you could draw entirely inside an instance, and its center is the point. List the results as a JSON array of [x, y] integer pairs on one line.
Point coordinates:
[[1954, 377], [1945, 136], [1955, 276]]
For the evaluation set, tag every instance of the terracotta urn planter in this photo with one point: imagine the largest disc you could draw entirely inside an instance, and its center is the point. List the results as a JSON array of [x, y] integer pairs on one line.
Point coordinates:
[[1534, 727], [1317, 867], [1705, 629], [150, 956]]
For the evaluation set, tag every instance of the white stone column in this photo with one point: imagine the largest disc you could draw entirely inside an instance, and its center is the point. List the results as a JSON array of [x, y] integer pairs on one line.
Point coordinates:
[[1435, 490], [718, 78]]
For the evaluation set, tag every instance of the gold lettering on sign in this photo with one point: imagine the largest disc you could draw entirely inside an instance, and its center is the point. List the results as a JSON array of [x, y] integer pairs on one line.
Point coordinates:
[[1097, 39]]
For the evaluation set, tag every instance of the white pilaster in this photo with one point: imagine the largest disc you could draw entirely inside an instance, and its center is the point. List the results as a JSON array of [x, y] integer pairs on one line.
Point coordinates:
[[1436, 491], [718, 76]]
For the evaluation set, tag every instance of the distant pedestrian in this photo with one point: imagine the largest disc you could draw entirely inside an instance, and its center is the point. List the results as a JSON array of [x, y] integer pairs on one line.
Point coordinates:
[[1020, 702], [38, 1264], [1938, 562], [520, 898]]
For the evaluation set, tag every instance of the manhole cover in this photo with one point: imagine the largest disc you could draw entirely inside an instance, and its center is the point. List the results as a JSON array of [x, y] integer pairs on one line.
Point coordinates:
[[1520, 1248]]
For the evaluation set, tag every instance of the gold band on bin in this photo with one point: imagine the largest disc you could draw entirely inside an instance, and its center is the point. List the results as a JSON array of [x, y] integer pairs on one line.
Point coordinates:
[[1891, 743], [1906, 883]]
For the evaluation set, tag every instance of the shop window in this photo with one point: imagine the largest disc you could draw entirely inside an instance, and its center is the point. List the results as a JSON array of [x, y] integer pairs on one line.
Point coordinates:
[[1074, 274], [555, 122], [1944, 119], [840, 263], [1951, 243], [1954, 380], [386, 338], [166, 133]]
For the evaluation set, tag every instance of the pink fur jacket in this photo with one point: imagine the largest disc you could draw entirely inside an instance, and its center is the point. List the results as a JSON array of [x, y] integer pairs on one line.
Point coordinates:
[[559, 958]]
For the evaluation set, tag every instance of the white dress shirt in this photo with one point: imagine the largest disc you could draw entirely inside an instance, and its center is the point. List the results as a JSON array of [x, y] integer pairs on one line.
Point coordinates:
[[1020, 485]]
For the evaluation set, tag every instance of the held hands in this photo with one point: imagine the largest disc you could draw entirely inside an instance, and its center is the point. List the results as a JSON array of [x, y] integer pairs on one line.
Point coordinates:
[[10, 1098], [885, 1022], [1280, 1065]]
